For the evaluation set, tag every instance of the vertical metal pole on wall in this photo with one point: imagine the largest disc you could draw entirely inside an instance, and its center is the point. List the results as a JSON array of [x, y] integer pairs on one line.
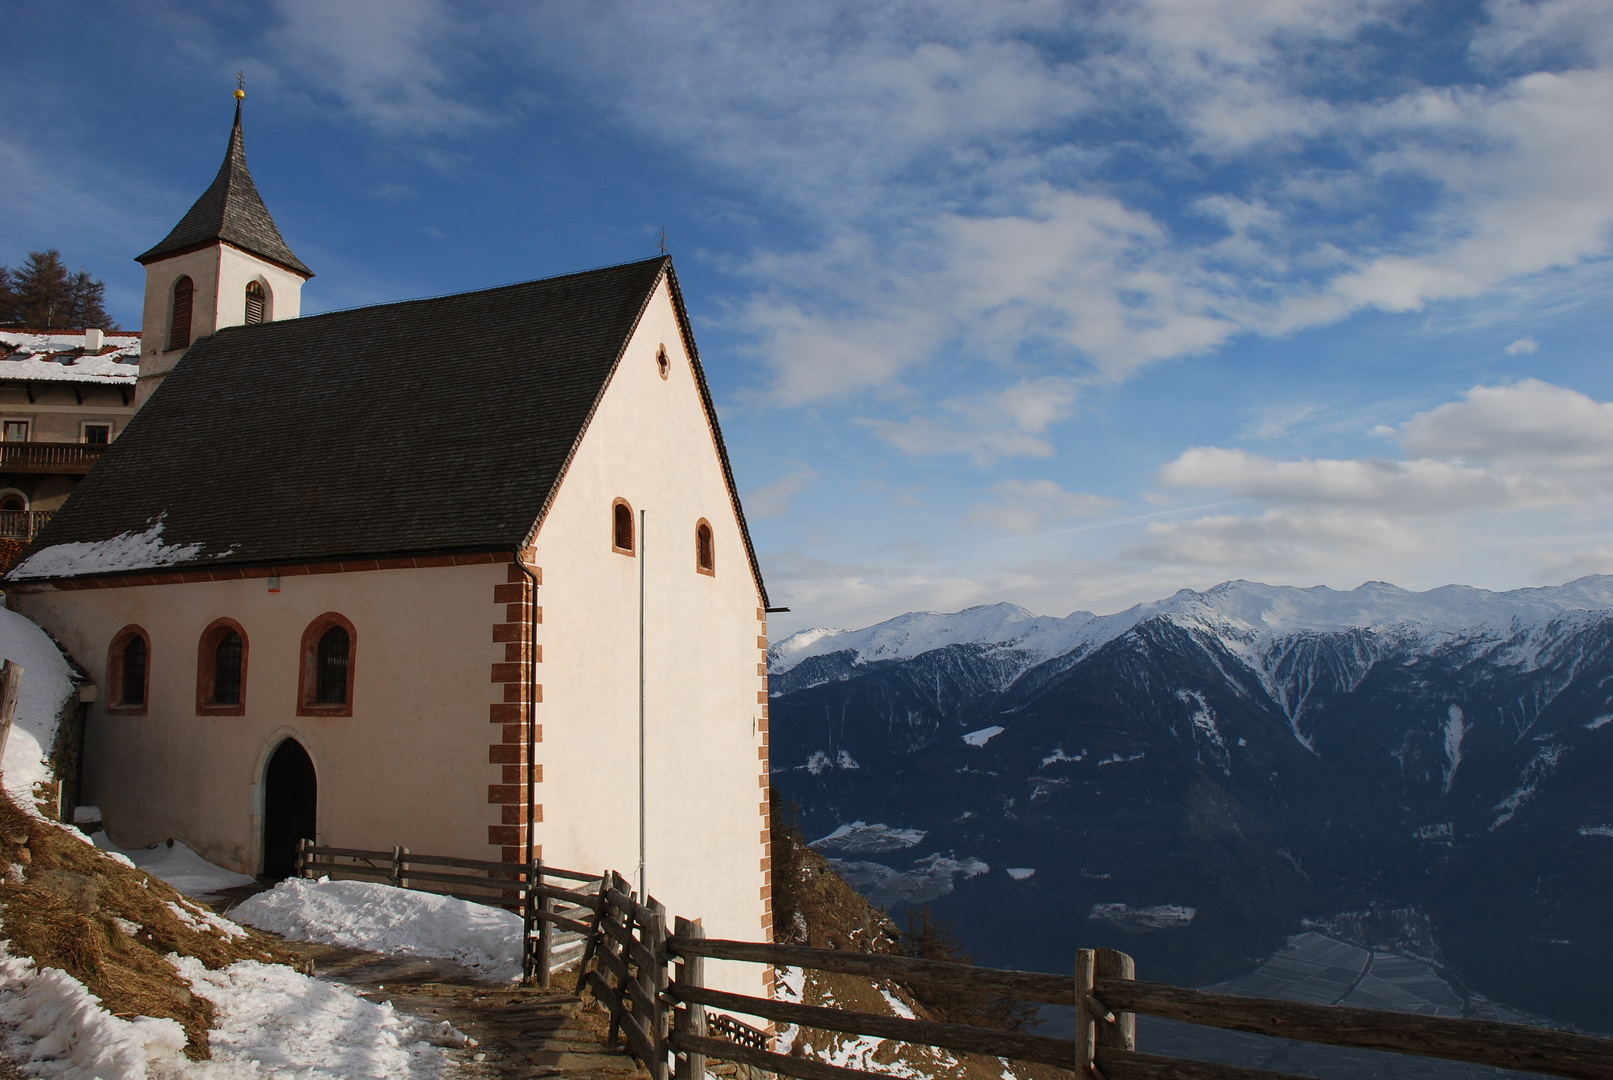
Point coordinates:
[[643, 520]]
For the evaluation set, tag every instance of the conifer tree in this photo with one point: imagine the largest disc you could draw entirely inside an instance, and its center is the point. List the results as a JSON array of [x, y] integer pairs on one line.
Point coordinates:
[[42, 293]]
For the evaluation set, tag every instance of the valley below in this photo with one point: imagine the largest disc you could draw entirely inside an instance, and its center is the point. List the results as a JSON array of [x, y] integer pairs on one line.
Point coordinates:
[[1422, 777]]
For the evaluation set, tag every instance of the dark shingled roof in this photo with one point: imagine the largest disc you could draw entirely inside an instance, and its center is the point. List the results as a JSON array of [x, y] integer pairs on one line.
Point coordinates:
[[230, 210], [424, 427]]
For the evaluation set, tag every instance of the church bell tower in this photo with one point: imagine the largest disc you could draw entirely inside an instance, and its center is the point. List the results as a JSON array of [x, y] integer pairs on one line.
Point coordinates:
[[224, 264]]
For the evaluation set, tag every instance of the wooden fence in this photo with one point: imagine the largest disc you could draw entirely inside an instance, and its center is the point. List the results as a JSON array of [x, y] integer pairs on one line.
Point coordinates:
[[653, 984], [542, 905]]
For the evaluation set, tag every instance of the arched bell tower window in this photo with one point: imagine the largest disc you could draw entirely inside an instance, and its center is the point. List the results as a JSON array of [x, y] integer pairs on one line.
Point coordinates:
[[705, 548], [179, 325], [325, 685], [621, 522], [256, 302], [221, 657]]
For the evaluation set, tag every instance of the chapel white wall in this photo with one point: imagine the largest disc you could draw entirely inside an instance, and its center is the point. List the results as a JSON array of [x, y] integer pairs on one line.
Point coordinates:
[[409, 767], [650, 443]]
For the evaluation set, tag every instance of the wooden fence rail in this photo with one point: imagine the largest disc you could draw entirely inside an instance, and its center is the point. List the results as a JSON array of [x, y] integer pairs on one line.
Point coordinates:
[[653, 985], [664, 1019], [513, 886]]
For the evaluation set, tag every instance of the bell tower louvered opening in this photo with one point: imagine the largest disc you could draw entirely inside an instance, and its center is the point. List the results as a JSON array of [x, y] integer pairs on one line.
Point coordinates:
[[254, 303], [179, 324]]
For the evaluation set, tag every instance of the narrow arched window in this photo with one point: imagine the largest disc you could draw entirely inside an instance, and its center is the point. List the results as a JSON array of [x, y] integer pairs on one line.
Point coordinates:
[[221, 666], [622, 527], [128, 672], [332, 661], [133, 690], [329, 653], [227, 670], [705, 548], [179, 325], [254, 303]]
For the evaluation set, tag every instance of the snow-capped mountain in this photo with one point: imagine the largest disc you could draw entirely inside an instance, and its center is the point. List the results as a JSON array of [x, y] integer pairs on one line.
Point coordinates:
[[1240, 759]]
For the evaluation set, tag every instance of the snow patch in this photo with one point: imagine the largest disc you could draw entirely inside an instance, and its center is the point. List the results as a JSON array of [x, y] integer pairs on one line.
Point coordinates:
[[380, 918], [203, 921], [1542, 765], [1456, 730], [47, 683], [126, 551], [179, 866], [270, 1021], [845, 761], [1596, 830], [1059, 755], [59, 1029], [983, 736], [1020, 873], [1143, 920], [1599, 722], [860, 837], [925, 879]]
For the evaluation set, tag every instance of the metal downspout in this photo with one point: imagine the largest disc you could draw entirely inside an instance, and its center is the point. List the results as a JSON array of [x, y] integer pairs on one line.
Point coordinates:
[[643, 520], [531, 708]]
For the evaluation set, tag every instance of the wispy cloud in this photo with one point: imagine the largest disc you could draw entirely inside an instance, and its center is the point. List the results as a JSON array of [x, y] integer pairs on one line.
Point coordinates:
[[1026, 506], [775, 499]]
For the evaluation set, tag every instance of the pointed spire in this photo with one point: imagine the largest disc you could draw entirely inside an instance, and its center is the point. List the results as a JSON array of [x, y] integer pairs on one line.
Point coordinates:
[[230, 210]]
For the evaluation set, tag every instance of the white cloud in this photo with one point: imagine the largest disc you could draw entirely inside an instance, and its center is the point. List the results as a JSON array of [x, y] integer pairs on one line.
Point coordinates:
[[988, 427], [1025, 506], [1526, 345], [774, 500], [1526, 459]]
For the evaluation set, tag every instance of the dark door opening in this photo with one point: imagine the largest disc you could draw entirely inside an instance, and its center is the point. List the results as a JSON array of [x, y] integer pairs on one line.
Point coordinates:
[[290, 808]]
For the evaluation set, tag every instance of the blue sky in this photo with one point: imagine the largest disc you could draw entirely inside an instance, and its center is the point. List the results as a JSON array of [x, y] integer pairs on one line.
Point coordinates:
[[1066, 304]]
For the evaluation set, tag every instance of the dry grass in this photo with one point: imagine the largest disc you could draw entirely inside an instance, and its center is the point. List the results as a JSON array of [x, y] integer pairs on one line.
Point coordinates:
[[64, 913]]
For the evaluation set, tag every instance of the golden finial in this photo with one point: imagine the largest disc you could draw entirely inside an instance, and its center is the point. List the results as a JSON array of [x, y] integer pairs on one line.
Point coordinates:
[[240, 85]]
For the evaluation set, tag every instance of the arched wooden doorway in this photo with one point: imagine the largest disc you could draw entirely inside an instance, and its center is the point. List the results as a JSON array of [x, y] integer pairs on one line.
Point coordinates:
[[290, 808]]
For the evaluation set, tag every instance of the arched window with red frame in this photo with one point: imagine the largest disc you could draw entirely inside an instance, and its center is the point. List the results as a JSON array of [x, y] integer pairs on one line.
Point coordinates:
[[621, 527], [221, 665], [128, 672], [325, 680], [705, 548]]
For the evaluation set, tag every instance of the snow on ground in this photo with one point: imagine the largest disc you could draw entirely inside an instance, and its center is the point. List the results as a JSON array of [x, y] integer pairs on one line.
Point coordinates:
[[179, 866], [859, 837], [270, 1021], [1143, 919], [380, 918], [1021, 873], [47, 683], [983, 736], [126, 551]]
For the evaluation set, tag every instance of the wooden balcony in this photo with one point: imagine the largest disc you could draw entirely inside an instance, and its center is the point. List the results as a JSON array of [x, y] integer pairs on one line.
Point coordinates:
[[22, 524], [46, 457]]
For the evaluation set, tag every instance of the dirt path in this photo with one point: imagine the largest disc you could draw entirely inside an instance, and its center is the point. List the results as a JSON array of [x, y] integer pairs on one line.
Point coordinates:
[[519, 1032]]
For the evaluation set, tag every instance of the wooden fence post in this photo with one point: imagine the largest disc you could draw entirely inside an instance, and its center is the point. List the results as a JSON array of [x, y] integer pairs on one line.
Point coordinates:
[[655, 982], [545, 929], [611, 945], [1115, 1030], [593, 943], [1085, 1022], [691, 1019], [10, 686], [302, 857]]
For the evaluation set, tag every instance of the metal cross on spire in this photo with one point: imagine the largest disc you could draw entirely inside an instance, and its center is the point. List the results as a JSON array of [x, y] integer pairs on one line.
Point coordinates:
[[240, 85], [663, 241]]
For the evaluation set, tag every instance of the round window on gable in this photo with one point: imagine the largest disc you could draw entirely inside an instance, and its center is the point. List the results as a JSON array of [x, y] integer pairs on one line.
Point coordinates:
[[662, 362]]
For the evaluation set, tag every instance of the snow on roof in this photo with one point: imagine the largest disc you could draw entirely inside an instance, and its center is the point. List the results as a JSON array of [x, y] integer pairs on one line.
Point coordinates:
[[126, 551], [47, 683], [61, 356]]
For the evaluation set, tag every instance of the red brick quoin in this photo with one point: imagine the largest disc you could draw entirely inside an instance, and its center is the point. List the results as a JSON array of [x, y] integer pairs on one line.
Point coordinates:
[[510, 710]]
